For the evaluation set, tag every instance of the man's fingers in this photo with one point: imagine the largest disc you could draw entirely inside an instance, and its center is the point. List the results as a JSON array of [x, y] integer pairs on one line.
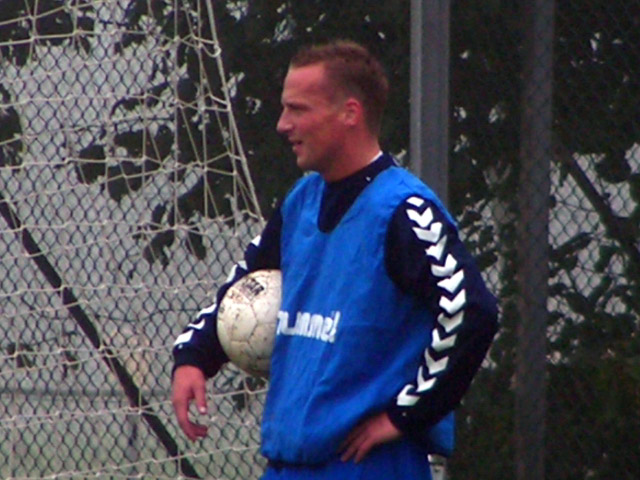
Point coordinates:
[[357, 444], [192, 430], [364, 449], [348, 450], [201, 398], [181, 408], [366, 436], [195, 431], [355, 433], [356, 448], [189, 385]]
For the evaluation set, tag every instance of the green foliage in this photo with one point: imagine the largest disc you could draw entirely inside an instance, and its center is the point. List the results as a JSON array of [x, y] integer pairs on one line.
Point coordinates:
[[10, 132], [22, 353], [485, 101], [593, 404], [596, 73], [258, 38], [593, 310], [45, 22], [259, 44], [24, 26]]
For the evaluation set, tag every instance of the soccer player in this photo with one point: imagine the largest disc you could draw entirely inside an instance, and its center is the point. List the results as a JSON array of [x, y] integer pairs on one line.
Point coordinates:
[[370, 248]]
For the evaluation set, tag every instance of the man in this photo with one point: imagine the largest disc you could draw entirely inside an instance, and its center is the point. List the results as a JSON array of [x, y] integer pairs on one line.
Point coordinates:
[[369, 247]]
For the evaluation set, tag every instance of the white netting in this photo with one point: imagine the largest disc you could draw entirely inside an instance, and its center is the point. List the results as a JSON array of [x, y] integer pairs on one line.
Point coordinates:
[[125, 199]]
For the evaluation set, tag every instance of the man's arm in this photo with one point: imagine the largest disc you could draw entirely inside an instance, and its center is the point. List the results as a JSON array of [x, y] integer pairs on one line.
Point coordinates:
[[197, 352], [198, 344], [427, 259]]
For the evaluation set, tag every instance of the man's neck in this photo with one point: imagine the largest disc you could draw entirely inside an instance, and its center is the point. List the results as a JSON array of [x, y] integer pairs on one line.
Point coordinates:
[[354, 161]]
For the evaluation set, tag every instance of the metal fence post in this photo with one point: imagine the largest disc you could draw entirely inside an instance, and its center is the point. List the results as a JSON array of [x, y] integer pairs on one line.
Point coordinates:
[[429, 85], [533, 249]]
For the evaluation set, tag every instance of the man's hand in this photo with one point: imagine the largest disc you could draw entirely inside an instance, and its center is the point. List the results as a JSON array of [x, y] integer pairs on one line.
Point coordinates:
[[189, 384], [373, 431]]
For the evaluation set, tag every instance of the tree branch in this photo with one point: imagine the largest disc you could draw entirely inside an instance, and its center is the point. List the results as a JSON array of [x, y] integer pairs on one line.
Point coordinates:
[[615, 225]]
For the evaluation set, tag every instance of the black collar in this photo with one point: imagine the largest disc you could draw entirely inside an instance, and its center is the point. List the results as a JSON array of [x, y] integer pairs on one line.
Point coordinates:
[[339, 196]]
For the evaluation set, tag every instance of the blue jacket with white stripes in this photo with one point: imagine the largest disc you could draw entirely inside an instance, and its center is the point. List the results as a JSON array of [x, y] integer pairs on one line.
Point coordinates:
[[426, 259]]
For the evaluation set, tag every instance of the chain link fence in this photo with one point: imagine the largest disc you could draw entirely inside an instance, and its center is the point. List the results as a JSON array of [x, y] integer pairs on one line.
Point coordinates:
[[125, 200], [546, 136], [124, 204]]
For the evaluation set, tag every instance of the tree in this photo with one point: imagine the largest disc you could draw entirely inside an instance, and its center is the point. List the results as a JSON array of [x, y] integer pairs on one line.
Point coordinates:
[[594, 276], [258, 38], [26, 24]]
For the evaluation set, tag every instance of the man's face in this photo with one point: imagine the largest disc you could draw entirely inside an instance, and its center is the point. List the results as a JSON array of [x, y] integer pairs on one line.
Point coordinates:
[[311, 119]]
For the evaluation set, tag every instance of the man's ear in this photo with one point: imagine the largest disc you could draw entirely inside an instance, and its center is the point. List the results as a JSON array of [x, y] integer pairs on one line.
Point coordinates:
[[353, 112]]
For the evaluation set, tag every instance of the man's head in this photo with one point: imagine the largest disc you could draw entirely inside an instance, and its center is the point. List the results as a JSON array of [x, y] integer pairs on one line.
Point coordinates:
[[332, 100], [352, 71]]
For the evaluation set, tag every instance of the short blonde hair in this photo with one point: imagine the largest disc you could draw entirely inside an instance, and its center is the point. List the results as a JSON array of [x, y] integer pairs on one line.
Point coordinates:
[[352, 68]]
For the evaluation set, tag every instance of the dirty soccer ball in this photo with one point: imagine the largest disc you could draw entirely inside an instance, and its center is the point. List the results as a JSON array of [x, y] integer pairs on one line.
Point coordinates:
[[247, 320]]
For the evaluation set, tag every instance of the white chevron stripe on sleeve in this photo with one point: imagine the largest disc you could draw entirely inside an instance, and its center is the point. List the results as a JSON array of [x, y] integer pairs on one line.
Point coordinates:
[[183, 338], [452, 283], [453, 306], [450, 280], [256, 240], [431, 235], [437, 250], [232, 273], [427, 386], [444, 343], [405, 399], [424, 384], [422, 219], [451, 323], [435, 366], [207, 310], [415, 201], [197, 326], [446, 270]]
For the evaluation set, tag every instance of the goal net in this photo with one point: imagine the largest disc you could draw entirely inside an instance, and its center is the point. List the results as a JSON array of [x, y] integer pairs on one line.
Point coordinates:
[[124, 198]]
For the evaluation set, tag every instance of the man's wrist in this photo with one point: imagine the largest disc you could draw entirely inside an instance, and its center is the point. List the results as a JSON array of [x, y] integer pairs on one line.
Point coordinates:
[[194, 358]]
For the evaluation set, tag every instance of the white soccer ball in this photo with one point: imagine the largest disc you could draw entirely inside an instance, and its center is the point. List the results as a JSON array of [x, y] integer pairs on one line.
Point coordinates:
[[247, 318]]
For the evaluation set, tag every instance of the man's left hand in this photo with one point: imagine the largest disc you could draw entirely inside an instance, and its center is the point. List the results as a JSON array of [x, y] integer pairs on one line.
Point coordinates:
[[370, 433]]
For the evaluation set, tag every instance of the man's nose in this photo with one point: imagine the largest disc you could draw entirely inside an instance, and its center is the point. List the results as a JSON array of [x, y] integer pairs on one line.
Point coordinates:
[[284, 125]]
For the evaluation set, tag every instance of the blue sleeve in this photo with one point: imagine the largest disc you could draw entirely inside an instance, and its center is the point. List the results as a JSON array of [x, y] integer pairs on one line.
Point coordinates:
[[198, 344], [426, 258]]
